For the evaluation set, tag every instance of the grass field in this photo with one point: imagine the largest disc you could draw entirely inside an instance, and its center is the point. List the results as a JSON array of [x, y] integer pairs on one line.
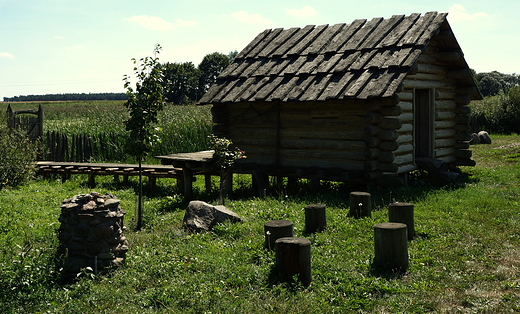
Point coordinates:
[[464, 260]]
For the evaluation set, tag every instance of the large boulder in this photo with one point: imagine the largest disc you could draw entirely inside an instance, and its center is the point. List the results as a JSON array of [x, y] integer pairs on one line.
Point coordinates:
[[475, 139], [484, 137], [203, 216]]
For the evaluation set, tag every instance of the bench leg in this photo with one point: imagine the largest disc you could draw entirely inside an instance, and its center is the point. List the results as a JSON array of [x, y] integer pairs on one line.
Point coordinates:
[[91, 180]]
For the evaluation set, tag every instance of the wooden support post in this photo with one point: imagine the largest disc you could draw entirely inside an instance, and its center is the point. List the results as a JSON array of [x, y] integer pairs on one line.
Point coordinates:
[[153, 183], [207, 182], [293, 257], [276, 229], [91, 180], [403, 213], [315, 218], [360, 204], [188, 183], [390, 247], [262, 182], [125, 179]]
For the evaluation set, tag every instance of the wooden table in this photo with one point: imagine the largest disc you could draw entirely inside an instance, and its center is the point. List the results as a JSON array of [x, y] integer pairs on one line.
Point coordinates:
[[201, 162]]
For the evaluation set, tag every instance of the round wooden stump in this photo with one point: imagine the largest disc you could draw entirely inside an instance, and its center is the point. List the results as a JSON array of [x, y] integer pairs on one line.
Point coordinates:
[[391, 246], [403, 213], [293, 257], [276, 229], [360, 204], [315, 218]]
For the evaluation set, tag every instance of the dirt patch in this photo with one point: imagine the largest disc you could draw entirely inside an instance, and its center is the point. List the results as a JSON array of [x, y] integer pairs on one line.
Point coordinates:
[[512, 145]]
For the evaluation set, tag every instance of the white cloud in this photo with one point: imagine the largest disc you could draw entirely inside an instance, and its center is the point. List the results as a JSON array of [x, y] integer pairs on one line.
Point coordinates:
[[244, 17], [6, 55], [59, 37], [306, 11], [151, 22], [457, 12], [185, 23]]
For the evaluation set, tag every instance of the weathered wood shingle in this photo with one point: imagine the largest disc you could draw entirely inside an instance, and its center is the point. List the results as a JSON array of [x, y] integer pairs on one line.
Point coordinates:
[[361, 60]]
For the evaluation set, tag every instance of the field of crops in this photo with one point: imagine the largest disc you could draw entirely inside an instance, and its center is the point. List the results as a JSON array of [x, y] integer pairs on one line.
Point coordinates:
[[180, 128]]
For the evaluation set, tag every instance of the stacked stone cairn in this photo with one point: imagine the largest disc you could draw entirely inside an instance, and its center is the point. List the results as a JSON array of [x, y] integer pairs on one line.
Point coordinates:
[[91, 234]]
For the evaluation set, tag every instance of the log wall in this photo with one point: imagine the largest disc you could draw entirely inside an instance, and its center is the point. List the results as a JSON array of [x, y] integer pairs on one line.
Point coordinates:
[[299, 136], [452, 120]]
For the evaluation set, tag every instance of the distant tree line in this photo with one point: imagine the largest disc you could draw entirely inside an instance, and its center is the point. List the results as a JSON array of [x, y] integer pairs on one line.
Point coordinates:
[[493, 83], [67, 97]]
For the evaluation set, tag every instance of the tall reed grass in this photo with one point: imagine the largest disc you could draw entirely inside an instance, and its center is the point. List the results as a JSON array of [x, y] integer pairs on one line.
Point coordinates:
[[181, 128]]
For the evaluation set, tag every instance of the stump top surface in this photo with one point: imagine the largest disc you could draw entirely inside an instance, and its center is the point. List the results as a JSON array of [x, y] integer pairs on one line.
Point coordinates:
[[397, 204], [360, 193], [390, 225], [315, 206], [294, 240], [278, 223]]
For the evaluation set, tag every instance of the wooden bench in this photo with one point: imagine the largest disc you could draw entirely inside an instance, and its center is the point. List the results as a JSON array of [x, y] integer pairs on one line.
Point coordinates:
[[66, 169]]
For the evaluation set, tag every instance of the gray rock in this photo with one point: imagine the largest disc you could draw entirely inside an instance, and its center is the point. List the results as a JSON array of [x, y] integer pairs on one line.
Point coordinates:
[[203, 216], [475, 139], [484, 137]]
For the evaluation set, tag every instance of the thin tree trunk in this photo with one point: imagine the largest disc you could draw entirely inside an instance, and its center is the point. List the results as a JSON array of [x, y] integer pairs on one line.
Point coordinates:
[[139, 223]]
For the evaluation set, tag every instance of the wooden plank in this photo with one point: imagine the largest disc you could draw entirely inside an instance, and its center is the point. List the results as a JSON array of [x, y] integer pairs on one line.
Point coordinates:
[[399, 31], [321, 41], [336, 85], [360, 36], [258, 39], [432, 28], [337, 42], [315, 88], [328, 64], [382, 30], [415, 32], [306, 40], [278, 41], [292, 41], [265, 42]]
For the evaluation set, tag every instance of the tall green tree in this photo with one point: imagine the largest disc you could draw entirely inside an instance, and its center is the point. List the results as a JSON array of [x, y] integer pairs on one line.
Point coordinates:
[[143, 103], [492, 83], [181, 82], [210, 68]]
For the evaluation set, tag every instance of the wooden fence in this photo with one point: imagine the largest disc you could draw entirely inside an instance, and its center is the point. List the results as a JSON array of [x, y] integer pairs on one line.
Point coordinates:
[[83, 147]]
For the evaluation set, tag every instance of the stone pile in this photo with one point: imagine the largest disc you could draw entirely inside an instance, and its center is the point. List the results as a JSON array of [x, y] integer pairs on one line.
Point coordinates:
[[91, 234]]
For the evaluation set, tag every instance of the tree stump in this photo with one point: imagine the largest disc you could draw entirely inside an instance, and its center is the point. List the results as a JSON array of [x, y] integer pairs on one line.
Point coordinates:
[[315, 218], [391, 247], [403, 213], [293, 257], [276, 229], [360, 204]]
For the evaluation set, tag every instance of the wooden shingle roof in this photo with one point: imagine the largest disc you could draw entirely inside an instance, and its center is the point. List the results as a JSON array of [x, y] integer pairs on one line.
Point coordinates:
[[360, 60]]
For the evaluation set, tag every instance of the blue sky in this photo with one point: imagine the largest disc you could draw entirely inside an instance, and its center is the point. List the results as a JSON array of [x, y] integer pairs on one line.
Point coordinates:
[[83, 46]]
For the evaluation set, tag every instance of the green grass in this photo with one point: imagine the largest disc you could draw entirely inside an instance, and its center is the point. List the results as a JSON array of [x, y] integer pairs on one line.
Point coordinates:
[[465, 258]]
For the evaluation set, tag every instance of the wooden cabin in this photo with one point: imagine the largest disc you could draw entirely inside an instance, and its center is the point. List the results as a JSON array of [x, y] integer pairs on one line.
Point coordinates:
[[354, 102]]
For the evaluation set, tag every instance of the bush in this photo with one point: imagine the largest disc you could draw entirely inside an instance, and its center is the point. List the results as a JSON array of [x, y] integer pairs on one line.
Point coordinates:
[[498, 114], [17, 155]]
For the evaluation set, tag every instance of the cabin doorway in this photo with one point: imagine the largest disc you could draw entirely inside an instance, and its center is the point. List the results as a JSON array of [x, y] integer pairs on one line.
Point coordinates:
[[423, 131]]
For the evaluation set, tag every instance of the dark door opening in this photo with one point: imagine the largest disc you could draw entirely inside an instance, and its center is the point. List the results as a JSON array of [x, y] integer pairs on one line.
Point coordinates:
[[423, 123]]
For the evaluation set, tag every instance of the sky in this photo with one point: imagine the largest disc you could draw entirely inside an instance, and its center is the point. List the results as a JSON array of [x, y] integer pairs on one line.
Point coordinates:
[[86, 46]]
